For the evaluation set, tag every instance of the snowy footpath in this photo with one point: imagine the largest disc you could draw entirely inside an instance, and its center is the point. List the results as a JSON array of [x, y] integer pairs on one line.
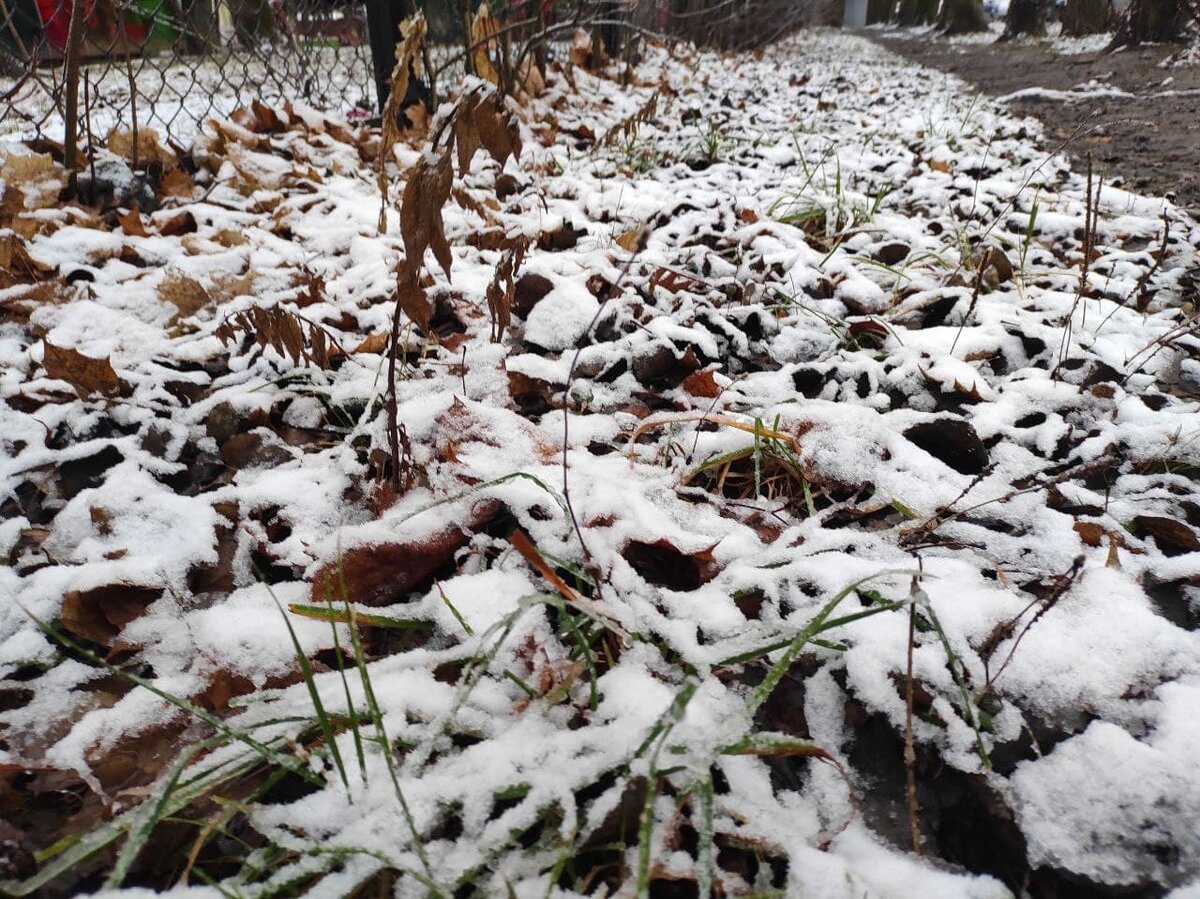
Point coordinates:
[[835, 487]]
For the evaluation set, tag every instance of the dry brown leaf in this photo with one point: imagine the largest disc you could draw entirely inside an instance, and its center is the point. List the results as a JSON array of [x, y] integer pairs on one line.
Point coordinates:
[[174, 224], [34, 179], [149, 147], [701, 384], [99, 614], [994, 260], [408, 51], [483, 122], [661, 563], [381, 574], [631, 240], [285, 332], [1090, 533], [484, 29], [374, 343], [259, 118], [580, 53], [421, 226], [480, 208], [186, 294], [411, 297], [86, 374], [177, 183], [418, 120], [502, 288], [131, 223], [16, 265]]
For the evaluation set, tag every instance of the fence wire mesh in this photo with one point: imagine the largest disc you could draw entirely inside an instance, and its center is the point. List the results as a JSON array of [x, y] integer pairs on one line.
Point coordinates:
[[171, 64]]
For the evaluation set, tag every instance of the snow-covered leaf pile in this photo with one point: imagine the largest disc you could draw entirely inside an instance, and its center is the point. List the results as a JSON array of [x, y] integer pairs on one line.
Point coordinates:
[[829, 401]]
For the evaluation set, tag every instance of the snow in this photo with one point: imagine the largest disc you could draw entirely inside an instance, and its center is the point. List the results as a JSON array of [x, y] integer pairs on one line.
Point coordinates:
[[818, 345]]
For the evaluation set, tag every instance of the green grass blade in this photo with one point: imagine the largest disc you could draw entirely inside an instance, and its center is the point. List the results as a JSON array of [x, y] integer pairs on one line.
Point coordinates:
[[143, 822], [284, 760], [306, 671], [815, 626], [921, 598]]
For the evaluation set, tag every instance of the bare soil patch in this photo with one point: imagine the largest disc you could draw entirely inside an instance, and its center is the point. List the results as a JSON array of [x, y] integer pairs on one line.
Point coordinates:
[[1150, 139]]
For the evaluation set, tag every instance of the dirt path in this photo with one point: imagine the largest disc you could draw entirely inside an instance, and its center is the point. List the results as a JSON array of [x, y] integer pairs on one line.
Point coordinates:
[[1150, 139]]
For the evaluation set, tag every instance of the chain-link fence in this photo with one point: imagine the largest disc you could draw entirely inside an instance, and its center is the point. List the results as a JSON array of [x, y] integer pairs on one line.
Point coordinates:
[[170, 64], [173, 63]]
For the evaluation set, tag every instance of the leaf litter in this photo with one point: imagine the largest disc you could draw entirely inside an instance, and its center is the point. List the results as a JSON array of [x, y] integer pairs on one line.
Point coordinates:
[[621, 604]]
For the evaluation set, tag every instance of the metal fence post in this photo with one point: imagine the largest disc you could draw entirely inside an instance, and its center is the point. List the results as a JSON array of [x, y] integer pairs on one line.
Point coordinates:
[[383, 25]]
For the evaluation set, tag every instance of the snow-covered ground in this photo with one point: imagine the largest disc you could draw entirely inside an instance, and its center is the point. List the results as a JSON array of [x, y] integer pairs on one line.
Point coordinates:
[[861, 346]]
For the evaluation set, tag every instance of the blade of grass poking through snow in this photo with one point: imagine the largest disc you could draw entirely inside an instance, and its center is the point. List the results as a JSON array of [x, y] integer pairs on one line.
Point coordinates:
[[706, 856], [462, 622], [381, 736], [495, 482], [284, 760], [340, 655], [319, 707], [816, 625], [143, 822], [66, 854], [337, 616], [954, 663], [657, 737], [829, 625], [757, 458]]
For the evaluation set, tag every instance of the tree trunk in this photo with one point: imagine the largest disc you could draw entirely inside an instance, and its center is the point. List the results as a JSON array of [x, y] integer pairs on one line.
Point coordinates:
[[1025, 17], [1082, 17], [916, 12], [962, 16], [1150, 21], [878, 11]]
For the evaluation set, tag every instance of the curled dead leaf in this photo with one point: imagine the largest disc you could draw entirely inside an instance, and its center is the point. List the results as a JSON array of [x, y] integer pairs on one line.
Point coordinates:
[[421, 226], [483, 122]]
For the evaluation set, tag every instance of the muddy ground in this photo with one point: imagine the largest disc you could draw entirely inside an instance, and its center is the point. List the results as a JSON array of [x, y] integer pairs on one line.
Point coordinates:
[[1151, 141]]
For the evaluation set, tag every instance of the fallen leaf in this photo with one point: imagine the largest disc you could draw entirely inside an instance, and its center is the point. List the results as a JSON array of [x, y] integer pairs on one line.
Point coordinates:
[[176, 183], [1174, 538], [100, 613], [381, 574], [86, 374], [174, 225], [1090, 533], [701, 384], [16, 265], [149, 146], [374, 343], [951, 441], [186, 294], [631, 240], [663, 564]]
